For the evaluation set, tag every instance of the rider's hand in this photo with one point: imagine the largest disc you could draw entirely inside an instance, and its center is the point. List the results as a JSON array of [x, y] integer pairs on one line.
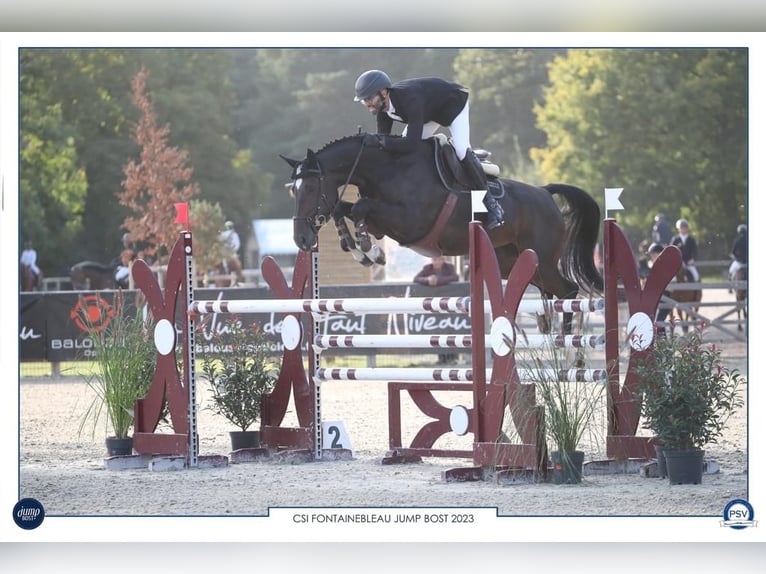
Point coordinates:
[[373, 140]]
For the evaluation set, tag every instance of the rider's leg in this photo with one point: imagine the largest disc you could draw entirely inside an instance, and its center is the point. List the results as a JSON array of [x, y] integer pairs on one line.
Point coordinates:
[[461, 136]]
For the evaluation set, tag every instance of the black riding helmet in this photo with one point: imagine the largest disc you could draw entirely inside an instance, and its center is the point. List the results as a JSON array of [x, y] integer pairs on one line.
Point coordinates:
[[370, 83], [655, 248]]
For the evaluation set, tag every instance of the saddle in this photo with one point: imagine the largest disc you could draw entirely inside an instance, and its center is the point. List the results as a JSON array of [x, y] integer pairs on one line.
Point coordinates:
[[446, 161]]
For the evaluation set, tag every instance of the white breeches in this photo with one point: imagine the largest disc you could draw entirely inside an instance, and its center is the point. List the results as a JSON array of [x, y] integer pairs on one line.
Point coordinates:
[[460, 132]]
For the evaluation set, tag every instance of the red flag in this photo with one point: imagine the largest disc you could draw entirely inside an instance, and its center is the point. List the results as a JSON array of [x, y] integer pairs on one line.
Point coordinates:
[[182, 214]]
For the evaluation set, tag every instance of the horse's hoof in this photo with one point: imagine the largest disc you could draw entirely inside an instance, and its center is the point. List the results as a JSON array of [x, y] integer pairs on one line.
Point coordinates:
[[365, 244], [376, 255], [361, 258]]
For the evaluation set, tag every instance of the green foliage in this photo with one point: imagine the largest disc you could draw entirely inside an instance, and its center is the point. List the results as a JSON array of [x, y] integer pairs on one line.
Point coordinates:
[[126, 359], [570, 407], [669, 126], [504, 85], [686, 393], [52, 183], [240, 372], [206, 221]]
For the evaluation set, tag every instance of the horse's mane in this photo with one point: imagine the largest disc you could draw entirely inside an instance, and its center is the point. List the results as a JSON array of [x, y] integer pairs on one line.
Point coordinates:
[[338, 140]]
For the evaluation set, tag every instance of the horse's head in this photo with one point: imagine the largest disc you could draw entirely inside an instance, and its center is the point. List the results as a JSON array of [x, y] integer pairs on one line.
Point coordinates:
[[313, 203]]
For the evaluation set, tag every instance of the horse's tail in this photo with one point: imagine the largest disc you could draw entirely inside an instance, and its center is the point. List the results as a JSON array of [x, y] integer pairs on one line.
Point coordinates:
[[583, 221]]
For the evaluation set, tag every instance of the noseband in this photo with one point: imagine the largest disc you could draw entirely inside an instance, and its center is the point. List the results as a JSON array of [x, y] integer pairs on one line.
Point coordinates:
[[317, 219]]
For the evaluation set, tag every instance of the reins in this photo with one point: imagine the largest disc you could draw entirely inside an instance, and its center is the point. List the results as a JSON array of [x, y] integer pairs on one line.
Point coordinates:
[[317, 219]]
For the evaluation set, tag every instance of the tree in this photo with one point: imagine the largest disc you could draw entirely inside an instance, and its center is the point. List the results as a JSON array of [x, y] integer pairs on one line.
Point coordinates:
[[153, 185], [505, 85], [669, 126], [206, 221], [52, 179]]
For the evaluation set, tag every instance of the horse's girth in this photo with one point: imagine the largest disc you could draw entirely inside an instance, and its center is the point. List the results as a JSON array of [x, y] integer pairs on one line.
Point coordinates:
[[429, 245]]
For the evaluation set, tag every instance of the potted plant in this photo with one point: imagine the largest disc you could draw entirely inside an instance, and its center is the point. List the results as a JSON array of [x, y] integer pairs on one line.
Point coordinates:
[[687, 395], [240, 372], [125, 357], [569, 408]]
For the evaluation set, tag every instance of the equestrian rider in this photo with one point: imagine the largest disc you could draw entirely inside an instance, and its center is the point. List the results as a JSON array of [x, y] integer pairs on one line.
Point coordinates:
[[424, 105], [738, 251], [688, 246], [29, 259]]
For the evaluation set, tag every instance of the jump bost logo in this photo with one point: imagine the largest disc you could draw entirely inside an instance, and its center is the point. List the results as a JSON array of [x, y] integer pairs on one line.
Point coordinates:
[[28, 513]]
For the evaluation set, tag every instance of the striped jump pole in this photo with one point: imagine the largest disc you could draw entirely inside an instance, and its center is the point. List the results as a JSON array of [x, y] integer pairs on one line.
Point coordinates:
[[452, 341], [385, 306], [453, 375]]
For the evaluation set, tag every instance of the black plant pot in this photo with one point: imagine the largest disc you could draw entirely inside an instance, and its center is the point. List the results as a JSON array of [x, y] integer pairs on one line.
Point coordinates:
[[662, 467], [245, 439], [684, 466], [567, 467], [119, 446]]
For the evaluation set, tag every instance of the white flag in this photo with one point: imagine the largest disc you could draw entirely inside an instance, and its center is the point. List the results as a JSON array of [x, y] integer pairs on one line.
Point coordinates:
[[477, 202], [612, 198]]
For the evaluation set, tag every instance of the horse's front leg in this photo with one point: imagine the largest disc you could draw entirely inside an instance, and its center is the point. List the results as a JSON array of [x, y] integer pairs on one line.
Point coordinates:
[[347, 242], [359, 212]]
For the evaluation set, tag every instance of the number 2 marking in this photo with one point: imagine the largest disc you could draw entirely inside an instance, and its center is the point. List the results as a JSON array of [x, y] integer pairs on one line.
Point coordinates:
[[335, 431]]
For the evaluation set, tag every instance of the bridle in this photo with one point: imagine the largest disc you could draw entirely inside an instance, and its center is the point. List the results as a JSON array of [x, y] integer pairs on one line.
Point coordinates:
[[318, 219]]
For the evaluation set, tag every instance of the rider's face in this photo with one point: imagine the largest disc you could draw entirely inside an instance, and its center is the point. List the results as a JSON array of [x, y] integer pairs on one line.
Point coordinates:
[[376, 103]]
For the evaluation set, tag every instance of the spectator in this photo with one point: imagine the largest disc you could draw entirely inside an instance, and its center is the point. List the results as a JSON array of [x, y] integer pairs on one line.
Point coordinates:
[[738, 251], [29, 259], [688, 245], [661, 232], [438, 272]]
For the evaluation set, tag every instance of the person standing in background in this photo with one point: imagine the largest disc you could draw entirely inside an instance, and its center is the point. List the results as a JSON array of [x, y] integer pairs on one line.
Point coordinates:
[[438, 272], [661, 232]]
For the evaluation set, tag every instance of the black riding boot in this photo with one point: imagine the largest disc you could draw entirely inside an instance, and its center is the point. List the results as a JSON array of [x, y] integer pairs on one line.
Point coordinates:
[[473, 167]]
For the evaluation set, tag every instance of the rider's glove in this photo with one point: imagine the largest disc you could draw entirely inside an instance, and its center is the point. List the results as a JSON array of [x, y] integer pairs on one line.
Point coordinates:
[[374, 140]]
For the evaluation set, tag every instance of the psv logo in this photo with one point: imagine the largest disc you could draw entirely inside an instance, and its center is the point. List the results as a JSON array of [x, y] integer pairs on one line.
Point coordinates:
[[92, 313]]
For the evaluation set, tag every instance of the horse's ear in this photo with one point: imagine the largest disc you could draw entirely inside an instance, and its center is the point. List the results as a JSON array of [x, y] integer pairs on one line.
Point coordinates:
[[311, 159], [292, 162]]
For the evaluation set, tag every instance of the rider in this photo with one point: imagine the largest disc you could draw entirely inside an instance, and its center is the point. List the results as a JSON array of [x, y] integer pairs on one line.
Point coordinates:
[[231, 243], [29, 259], [738, 251], [424, 105], [688, 245]]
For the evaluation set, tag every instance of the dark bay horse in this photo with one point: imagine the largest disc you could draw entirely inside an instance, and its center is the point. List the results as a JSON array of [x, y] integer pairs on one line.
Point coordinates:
[[27, 279], [685, 296], [92, 275], [402, 196]]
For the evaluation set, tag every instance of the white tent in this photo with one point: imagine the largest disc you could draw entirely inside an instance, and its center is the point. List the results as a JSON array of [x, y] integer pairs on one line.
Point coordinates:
[[272, 237]]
